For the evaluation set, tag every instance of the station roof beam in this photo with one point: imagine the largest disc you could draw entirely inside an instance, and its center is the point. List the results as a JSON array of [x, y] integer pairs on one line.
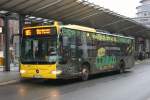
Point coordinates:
[[79, 12]]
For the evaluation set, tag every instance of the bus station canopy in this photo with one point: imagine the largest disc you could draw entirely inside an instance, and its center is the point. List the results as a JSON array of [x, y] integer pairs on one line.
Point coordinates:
[[79, 12]]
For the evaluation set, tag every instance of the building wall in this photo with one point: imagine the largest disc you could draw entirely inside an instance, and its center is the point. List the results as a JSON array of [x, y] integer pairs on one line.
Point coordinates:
[[143, 17], [147, 45], [145, 1], [143, 13]]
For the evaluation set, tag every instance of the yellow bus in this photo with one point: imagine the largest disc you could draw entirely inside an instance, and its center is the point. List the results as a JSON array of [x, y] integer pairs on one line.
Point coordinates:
[[68, 51]]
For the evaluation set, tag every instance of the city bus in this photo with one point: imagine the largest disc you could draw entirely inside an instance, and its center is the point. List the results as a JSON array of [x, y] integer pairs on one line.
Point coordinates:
[[73, 51]]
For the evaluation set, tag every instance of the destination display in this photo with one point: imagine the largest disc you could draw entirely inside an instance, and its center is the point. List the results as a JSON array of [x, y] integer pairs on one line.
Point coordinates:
[[44, 31]]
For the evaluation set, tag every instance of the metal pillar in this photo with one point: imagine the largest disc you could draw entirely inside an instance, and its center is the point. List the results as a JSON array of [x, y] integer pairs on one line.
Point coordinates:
[[7, 43], [21, 25]]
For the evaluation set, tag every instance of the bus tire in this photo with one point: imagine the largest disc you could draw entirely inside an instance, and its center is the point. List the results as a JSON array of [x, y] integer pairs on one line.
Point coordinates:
[[122, 67], [84, 73]]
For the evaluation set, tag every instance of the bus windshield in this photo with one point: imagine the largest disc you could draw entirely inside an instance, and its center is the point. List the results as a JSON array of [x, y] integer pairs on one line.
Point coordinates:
[[39, 50]]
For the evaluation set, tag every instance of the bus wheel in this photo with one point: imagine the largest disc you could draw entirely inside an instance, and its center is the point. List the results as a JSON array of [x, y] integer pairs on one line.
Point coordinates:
[[122, 67], [84, 73]]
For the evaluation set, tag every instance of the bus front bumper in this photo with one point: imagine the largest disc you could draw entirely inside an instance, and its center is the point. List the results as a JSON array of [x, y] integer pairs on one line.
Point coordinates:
[[39, 71], [38, 75]]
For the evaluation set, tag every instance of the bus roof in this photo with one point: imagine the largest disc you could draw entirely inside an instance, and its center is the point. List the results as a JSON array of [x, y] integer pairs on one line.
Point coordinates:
[[82, 28], [78, 27], [115, 35], [30, 27]]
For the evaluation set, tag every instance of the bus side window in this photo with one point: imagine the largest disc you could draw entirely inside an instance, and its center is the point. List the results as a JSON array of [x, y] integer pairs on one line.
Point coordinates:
[[79, 42], [65, 46], [65, 41], [69, 42], [78, 38]]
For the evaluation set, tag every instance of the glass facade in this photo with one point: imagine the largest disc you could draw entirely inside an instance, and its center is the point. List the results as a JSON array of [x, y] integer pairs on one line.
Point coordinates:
[[1, 45], [14, 44], [13, 30]]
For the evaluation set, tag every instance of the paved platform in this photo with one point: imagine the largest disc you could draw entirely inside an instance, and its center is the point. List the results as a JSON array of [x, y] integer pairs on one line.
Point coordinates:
[[9, 77], [143, 61], [13, 76]]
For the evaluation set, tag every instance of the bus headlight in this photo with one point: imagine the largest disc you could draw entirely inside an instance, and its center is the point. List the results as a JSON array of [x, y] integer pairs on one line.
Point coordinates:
[[56, 72], [22, 71]]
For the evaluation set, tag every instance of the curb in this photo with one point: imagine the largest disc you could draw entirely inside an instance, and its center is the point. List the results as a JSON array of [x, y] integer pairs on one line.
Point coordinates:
[[9, 82], [142, 62]]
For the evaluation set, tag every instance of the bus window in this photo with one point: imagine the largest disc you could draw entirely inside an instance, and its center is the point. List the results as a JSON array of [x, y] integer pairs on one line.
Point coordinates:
[[79, 43], [37, 51], [89, 39], [78, 38], [69, 41]]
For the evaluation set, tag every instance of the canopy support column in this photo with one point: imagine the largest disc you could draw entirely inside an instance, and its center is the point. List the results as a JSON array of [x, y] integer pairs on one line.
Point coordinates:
[[21, 25], [7, 43]]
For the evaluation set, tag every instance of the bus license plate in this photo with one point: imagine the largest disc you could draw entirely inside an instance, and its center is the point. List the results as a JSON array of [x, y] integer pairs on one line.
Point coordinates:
[[37, 76]]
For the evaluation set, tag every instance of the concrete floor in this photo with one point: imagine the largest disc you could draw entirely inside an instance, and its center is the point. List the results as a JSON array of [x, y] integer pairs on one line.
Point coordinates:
[[134, 85]]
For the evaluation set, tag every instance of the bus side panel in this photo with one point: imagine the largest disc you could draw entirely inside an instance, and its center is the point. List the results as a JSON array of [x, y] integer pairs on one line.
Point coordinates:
[[129, 62], [128, 51]]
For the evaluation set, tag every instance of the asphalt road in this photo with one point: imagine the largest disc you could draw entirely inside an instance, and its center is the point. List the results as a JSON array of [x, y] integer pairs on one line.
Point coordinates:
[[134, 85]]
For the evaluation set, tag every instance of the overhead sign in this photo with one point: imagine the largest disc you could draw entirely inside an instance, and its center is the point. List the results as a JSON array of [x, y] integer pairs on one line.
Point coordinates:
[[43, 31], [39, 31]]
